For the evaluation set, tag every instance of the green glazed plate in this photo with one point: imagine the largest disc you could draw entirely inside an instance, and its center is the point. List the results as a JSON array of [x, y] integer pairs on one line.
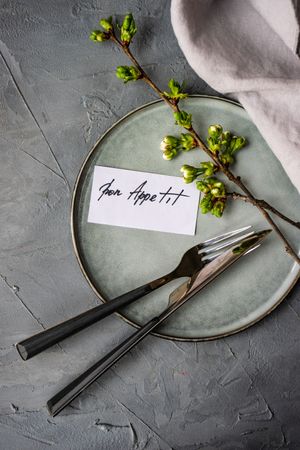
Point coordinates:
[[115, 260]]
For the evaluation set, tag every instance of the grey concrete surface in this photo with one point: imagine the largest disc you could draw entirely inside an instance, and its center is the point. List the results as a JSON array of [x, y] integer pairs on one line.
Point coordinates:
[[58, 94]]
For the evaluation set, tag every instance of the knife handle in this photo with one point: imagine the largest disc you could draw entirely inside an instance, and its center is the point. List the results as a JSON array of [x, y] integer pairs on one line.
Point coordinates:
[[60, 400], [45, 339]]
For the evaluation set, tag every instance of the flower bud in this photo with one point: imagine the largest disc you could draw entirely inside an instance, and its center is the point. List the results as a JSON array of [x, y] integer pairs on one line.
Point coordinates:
[[183, 118], [225, 138], [169, 154], [128, 29], [217, 188], [187, 142], [189, 172], [169, 142], [213, 145], [211, 181], [188, 180], [218, 208], [226, 135], [226, 158], [128, 73], [215, 131], [237, 143], [202, 186], [106, 24], [217, 183], [215, 191], [209, 168], [184, 167], [99, 36], [206, 204]]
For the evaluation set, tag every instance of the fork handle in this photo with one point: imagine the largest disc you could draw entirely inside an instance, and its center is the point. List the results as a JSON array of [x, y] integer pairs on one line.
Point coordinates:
[[72, 390], [45, 339]]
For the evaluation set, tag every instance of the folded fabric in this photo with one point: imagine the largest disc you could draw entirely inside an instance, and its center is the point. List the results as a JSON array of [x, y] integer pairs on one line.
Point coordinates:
[[230, 45]]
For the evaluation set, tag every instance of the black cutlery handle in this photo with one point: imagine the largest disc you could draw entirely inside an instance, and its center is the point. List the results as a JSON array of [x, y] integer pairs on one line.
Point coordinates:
[[72, 390], [45, 339]]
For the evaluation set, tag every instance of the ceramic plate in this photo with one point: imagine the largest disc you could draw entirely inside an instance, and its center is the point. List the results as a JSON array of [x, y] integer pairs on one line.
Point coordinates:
[[115, 260]]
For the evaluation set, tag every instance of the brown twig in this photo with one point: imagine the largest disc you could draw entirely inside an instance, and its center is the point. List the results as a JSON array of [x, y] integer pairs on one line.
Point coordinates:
[[233, 178], [265, 205]]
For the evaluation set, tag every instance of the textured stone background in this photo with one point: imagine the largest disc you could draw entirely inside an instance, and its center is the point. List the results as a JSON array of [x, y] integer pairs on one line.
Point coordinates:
[[58, 94]]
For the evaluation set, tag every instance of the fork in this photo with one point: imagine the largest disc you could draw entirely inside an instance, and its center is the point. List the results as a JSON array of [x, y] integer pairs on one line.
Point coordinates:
[[193, 260]]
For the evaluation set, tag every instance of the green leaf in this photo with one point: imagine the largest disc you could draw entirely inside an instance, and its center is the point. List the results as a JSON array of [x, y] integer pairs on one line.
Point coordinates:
[[175, 90]]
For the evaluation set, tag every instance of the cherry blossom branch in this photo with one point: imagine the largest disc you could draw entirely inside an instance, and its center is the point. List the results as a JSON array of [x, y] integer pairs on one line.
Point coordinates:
[[136, 72]]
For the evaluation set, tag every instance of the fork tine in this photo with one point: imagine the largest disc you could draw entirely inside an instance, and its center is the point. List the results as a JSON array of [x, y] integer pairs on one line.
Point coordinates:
[[226, 244], [223, 237], [251, 249], [211, 257]]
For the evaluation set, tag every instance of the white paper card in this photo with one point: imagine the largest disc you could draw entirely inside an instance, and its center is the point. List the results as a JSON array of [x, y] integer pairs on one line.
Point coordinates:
[[148, 201]]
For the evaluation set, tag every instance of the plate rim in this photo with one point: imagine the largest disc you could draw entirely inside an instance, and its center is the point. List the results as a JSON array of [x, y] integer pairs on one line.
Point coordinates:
[[79, 259]]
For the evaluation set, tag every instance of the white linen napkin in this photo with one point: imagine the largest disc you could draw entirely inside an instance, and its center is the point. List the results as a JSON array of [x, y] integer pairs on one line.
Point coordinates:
[[237, 50]]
